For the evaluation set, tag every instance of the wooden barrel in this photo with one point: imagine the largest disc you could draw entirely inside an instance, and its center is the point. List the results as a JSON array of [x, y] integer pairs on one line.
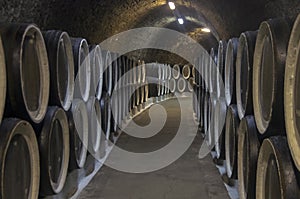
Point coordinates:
[[186, 71], [244, 66], [206, 78], [231, 141], [94, 131], [115, 111], [201, 97], [221, 68], [82, 68], [142, 93], [116, 74], [181, 85], [137, 94], [139, 71], [210, 135], [131, 85], [115, 68], [78, 127], [172, 85], [154, 76], [143, 71], [19, 159], [176, 71], [146, 91], [190, 84], [248, 149], [212, 69], [219, 131], [96, 71], [206, 116], [291, 93], [268, 76], [230, 71], [105, 104], [122, 92], [2, 80], [169, 72], [163, 79], [28, 78], [53, 140], [276, 177], [107, 74], [202, 71], [61, 66]]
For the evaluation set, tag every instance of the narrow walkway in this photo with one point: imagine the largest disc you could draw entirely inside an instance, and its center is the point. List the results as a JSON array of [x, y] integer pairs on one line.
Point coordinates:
[[186, 178]]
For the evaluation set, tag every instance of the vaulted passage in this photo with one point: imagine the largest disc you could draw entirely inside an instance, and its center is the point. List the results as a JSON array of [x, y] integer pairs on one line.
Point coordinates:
[[146, 99]]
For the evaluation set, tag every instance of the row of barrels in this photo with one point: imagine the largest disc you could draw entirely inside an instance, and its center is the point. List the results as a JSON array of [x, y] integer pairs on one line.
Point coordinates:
[[166, 79], [60, 100], [259, 106]]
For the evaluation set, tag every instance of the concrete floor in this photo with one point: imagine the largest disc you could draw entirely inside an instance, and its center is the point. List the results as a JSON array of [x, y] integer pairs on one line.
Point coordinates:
[[186, 178]]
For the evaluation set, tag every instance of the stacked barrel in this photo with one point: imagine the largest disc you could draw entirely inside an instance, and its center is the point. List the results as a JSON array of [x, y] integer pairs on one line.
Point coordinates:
[[253, 115], [182, 79], [60, 98]]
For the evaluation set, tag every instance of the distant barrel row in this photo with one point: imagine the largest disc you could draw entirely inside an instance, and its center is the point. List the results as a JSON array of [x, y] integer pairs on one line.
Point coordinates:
[[247, 108]]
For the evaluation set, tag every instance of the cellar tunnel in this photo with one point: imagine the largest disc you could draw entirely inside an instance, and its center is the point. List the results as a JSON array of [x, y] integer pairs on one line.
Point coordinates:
[[78, 120]]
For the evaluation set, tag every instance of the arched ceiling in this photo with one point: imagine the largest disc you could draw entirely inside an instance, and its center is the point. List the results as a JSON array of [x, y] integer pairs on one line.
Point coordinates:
[[98, 20]]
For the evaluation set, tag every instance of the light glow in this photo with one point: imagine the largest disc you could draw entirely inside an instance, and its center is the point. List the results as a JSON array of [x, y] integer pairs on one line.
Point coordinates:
[[180, 21], [205, 30], [172, 5]]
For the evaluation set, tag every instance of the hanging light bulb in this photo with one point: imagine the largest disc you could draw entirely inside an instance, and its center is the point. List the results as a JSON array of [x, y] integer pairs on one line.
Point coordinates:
[[180, 21], [172, 5], [207, 30]]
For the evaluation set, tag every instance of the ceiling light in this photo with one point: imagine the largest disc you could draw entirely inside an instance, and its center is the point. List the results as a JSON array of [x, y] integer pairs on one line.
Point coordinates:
[[205, 30], [172, 5], [180, 21]]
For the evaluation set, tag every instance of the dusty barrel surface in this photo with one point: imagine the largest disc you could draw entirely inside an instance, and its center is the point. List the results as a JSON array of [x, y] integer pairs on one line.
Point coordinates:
[[82, 68], [78, 127], [19, 158], [275, 176], [96, 60], [54, 150], [231, 141], [61, 65], [94, 131], [248, 150], [244, 66], [2, 80], [268, 76], [221, 68], [28, 78], [230, 71], [292, 94]]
